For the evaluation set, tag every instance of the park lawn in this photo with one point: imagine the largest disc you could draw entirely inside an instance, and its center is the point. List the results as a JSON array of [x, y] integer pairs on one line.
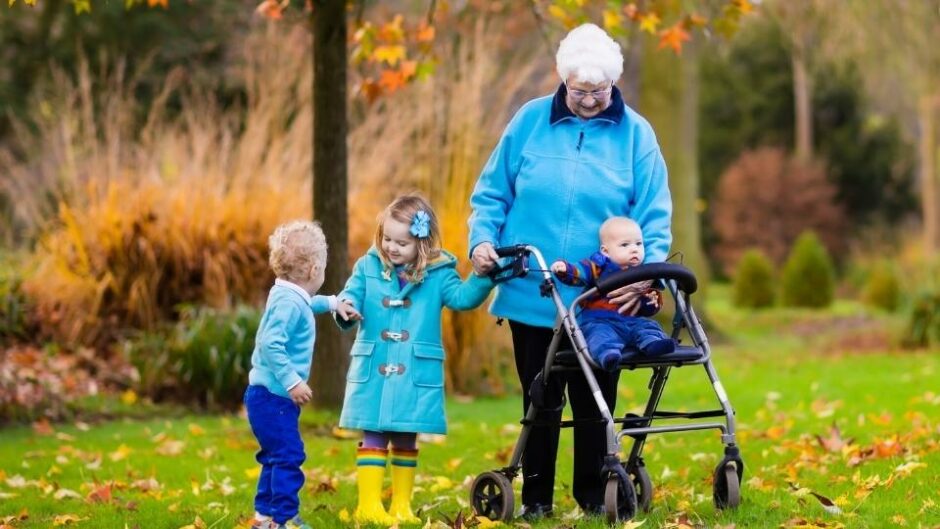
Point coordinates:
[[823, 407]]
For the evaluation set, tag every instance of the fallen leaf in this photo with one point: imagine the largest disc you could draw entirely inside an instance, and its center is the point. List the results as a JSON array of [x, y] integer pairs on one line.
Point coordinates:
[[62, 494], [196, 430], [100, 494], [65, 519]]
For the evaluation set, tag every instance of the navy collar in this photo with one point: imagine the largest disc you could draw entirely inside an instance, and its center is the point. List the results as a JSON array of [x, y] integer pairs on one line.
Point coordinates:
[[614, 112]]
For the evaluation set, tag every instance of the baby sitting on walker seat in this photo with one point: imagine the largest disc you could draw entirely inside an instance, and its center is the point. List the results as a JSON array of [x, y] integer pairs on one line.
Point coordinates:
[[609, 328]]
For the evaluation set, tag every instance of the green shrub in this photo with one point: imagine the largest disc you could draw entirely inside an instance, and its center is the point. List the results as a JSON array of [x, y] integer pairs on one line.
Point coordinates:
[[808, 278], [923, 326], [203, 359], [753, 282], [13, 307], [882, 288]]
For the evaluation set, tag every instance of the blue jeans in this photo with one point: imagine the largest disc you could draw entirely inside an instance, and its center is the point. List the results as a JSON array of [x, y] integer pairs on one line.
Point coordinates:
[[628, 332], [275, 422]]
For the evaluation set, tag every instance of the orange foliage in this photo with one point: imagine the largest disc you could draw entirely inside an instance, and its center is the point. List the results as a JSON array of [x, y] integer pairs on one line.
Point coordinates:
[[765, 200]]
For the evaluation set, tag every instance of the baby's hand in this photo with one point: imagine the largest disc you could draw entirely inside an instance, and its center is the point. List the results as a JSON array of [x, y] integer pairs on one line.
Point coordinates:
[[654, 299], [346, 311], [559, 267], [301, 393]]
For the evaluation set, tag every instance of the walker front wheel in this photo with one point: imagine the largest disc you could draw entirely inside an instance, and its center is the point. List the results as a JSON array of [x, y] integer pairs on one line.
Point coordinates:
[[727, 487], [491, 496], [619, 500]]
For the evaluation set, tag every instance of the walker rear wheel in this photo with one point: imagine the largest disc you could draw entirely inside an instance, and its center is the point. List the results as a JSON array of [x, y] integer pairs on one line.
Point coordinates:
[[727, 487], [619, 500], [491, 496]]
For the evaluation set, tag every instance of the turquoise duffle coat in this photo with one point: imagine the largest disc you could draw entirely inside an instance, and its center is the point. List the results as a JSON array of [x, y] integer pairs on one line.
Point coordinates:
[[395, 381]]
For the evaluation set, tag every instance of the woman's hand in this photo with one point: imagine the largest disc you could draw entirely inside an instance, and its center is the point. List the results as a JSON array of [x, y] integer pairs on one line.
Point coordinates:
[[483, 258], [628, 297], [559, 268], [346, 311]]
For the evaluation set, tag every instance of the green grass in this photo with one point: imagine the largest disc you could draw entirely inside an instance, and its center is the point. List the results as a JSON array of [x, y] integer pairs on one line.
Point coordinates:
[[787, 372]]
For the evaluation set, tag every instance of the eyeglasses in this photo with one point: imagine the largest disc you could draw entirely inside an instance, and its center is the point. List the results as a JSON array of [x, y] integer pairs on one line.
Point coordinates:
[[596, 94]]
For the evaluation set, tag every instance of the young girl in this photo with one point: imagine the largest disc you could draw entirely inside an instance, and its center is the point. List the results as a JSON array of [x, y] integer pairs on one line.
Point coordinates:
[[395, 384]]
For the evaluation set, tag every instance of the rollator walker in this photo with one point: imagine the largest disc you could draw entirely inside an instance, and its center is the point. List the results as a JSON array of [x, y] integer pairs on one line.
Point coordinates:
[[628, 484]]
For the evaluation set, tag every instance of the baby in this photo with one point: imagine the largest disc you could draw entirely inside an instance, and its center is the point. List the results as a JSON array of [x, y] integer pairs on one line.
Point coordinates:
[[609, 328]]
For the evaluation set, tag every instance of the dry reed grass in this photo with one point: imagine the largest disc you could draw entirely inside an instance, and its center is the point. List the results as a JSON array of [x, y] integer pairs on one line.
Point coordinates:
[[132, 221]]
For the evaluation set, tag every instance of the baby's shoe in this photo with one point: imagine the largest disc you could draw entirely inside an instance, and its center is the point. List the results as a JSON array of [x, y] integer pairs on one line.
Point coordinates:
[[659, 347], [609, 359]]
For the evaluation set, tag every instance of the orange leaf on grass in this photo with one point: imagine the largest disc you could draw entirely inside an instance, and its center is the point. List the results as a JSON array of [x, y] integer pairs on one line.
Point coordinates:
[[42, 427], [162, 3], [834, 442], [100, 494]]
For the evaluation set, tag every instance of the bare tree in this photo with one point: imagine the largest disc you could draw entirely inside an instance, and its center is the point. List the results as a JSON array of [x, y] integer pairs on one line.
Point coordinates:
[[895, 45]]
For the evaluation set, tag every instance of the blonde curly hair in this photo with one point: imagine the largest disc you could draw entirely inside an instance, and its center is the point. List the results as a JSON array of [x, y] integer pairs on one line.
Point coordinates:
[[296, 248]]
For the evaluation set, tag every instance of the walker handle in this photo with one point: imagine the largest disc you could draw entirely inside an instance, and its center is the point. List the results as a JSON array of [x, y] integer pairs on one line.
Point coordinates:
[[683, 277], [518, 266]]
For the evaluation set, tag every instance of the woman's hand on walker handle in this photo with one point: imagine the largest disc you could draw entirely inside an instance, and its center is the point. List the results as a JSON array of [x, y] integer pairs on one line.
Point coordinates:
[[484, 258], [628, 297], [346, 311]]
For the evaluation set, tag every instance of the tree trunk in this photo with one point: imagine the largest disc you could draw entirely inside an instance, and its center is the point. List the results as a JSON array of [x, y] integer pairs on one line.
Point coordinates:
[[669, 100], [802, 94], [930, 200], [330, 127], [633, 57]]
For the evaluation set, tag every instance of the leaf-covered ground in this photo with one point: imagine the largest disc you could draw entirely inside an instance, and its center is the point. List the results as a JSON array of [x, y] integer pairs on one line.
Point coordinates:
[[837, 429]]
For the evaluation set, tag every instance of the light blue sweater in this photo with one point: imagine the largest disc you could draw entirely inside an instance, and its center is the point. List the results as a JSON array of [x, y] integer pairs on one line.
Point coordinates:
[[552, 181], [284, 343]]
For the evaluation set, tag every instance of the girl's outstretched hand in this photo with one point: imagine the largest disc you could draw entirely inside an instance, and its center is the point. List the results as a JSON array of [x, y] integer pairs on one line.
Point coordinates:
[[346, 311]]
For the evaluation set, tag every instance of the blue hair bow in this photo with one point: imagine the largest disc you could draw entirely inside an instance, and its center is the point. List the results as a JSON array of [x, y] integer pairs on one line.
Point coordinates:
[[420, 224]]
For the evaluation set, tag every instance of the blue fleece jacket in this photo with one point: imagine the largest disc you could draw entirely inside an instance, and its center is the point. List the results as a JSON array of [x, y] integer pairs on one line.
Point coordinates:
[[284, 342], [552, 181]]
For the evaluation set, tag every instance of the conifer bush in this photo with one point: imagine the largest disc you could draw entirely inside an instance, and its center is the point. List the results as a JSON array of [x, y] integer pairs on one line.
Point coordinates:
[[753, 282], [882, 288], [808, 277]]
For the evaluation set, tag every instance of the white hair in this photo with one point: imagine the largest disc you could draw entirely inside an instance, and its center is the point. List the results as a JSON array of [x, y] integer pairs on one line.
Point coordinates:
[[588, 54]]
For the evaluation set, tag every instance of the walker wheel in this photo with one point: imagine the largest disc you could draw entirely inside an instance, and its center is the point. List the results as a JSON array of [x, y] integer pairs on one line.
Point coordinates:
[[491, 496], [727, 487], [619, 500], [643, 484]]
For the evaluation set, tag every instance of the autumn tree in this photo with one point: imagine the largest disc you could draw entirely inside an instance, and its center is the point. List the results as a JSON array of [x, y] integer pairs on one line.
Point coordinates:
[[767, 199]]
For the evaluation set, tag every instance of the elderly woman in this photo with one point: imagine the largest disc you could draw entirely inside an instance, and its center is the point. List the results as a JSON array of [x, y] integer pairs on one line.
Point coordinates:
[[565, 163]]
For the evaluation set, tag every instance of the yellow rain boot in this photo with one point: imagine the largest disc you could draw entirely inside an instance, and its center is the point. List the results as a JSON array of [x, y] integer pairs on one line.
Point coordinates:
[[404, 465], [370, 469]]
